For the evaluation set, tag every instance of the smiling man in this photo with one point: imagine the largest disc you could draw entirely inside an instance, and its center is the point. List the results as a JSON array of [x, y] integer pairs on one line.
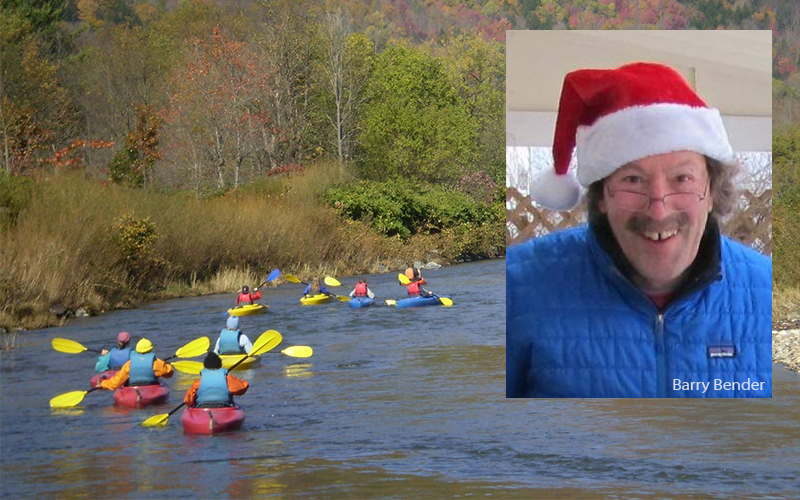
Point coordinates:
[[648, 299]]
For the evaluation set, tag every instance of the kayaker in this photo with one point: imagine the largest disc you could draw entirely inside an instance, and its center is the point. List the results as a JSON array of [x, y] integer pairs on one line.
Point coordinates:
[[231, 340], [116, 357], [415, 289], [245, 297], [216, 386], [413, 273], [143, 368], [315, 288], [361, 290]]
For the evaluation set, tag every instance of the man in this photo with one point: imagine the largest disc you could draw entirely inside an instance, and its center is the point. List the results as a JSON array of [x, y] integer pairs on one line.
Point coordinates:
[[231, 340], [362, 290], [142, 369], [648, 299], [216, 386], [246, 297]]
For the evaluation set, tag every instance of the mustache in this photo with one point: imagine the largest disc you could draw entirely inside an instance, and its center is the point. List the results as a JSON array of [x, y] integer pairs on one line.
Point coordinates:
[[641, 223]]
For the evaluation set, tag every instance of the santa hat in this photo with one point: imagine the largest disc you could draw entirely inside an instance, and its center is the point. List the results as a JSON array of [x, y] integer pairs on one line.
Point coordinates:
[[615, 116]]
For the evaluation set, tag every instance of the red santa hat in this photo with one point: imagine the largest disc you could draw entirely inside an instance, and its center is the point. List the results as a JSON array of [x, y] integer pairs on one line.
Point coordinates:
[[615, 116]]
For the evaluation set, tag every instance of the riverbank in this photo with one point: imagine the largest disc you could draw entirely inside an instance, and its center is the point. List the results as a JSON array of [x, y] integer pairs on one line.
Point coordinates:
[[786, 327], [72, 243]]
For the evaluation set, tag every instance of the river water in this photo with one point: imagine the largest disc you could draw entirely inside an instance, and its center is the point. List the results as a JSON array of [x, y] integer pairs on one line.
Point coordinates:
[[404, 403]]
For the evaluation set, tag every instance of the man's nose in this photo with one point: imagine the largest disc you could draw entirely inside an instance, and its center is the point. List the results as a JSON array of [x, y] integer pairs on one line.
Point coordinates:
[[658, 209]]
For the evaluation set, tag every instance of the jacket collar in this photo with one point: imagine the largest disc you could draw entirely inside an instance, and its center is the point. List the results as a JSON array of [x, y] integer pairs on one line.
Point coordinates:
[[704, 270]]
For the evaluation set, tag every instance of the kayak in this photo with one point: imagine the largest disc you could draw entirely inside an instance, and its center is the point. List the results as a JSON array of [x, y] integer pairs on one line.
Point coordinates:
[[418, 302], [248, 310], [101, 376], [211, 420], [357, 302], [140, 396], [310, 300], [229, 360]]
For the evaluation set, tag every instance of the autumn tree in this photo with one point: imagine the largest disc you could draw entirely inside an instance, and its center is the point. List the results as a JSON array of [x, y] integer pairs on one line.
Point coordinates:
[[414, 125]]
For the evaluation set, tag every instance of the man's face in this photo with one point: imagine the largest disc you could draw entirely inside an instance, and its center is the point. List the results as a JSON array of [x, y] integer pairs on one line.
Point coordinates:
[[661, 240]]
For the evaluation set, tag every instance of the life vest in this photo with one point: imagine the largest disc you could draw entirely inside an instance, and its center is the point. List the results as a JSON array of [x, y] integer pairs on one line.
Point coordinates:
[[213, 387], [245, 298], [361, 290], [118, 357], [413, 289], [229, 342], [141, 371]]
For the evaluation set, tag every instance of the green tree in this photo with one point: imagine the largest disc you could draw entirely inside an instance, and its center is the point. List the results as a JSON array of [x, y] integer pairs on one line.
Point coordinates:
[[414, 125]]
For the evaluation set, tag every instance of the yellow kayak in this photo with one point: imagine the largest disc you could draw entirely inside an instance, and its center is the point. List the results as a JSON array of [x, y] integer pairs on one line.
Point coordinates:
[[229, 360], [319, 298], [248, 310]]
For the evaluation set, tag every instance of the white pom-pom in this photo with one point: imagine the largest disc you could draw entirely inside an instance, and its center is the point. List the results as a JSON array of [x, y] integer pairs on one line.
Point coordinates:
[[556, 192]]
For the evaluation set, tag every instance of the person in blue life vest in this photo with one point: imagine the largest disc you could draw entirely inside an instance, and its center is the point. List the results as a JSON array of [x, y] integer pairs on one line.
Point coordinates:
[[415, 289], [246, 297], [648, 299], [216, 386], [116, 357], [362, 290], [315, 288], [231, 340], [143, 368]]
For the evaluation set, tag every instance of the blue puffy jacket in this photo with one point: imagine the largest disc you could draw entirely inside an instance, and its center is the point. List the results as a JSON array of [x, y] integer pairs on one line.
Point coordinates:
[[577, 327]]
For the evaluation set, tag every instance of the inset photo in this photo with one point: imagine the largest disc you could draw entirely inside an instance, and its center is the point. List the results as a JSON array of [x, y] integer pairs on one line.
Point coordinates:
[[639, 227]]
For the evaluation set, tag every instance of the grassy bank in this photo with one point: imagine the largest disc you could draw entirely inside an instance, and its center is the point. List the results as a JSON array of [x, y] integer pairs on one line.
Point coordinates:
[[82, 244]]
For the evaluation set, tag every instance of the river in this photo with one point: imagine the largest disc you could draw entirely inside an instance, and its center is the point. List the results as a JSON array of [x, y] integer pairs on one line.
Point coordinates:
[[395, 403]]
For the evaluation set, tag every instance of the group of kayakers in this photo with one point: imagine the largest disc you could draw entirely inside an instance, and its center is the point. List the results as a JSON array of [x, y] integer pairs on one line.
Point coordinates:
[[139, 366]]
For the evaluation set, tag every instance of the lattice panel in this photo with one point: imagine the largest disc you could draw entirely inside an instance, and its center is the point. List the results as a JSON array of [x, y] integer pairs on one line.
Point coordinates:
[[751, 224]]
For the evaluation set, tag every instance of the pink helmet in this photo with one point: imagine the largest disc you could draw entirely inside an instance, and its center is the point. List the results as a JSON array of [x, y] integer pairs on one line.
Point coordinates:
[[124, 337]]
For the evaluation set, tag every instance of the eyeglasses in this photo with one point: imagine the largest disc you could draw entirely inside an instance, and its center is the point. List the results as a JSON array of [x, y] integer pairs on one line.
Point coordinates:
[[639, 202]]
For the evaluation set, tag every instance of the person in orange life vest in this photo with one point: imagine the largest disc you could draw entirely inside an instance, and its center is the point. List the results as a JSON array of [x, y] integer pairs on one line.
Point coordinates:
[[315, 287], [216, 386], [231, 340], [245, 297], [117, 356], [142, 369], [361, 290], [415, 289]]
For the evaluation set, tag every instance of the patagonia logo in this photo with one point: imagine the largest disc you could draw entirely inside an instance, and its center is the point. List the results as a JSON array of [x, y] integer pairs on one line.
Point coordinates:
[[721, 351]]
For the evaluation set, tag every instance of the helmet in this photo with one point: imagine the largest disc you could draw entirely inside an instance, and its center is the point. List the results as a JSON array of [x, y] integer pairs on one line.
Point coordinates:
[[124, 337], [245, 289], [233, 323], [144, 346]]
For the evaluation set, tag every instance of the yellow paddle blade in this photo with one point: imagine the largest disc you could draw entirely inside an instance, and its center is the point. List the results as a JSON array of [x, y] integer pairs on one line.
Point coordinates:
[[403, 279], [68, 399], [331, 281], [194, 348], [343, 298], [190, 367], [298, 351], [156, 420], [445, 301], [267, 341], [390, 302], [67, 345], [292, 278]]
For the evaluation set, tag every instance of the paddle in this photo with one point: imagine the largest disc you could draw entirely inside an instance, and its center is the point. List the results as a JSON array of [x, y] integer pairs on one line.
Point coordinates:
[[194, 367], [294, 279], [403, 279], [194, 348], [265, 342], [70, 346], [270, 277]]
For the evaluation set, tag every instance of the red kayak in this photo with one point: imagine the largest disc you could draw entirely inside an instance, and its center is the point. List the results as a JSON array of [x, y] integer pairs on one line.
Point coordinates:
[[212, 420], [140, 396], [102, 376]]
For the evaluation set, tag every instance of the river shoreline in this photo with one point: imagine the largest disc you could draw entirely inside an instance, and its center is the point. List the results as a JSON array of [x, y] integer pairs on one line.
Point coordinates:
[[786, 344]]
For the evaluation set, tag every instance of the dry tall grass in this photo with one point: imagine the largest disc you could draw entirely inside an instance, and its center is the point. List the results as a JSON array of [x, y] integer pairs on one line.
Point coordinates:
[[64, 247]]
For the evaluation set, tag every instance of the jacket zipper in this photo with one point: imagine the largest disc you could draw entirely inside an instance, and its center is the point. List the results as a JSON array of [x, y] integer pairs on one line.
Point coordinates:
[[661, 362]]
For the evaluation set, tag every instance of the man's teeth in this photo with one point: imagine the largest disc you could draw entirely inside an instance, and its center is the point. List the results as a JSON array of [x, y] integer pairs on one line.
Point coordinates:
[[660, 236]]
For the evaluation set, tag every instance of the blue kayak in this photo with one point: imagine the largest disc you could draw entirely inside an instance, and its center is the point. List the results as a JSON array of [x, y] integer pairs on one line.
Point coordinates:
[[357, 302], [418, 302]]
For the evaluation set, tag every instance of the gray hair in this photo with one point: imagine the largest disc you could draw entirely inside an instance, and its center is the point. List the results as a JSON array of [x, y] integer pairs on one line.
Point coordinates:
[[723, 190]]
